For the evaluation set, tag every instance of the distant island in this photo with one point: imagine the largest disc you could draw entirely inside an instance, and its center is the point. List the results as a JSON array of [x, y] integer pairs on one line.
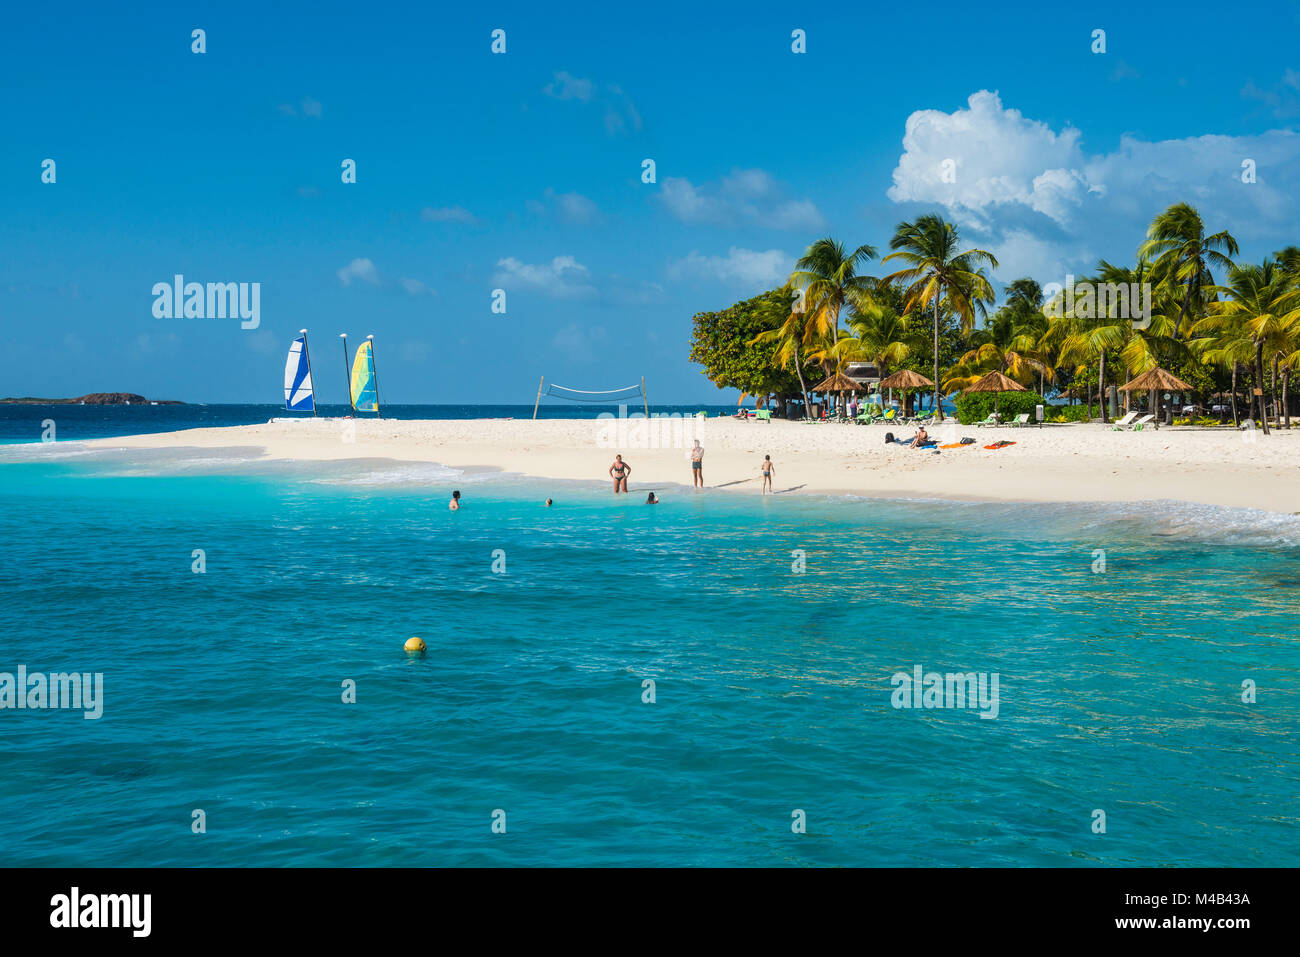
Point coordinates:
[[94, 398]]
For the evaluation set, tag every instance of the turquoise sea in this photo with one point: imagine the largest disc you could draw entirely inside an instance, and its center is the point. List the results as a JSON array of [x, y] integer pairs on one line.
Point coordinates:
[[1120, 690]]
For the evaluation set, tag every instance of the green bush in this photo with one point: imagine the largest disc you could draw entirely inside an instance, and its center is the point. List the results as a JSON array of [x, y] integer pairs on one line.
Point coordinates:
[[1071, 413], [974, 407]]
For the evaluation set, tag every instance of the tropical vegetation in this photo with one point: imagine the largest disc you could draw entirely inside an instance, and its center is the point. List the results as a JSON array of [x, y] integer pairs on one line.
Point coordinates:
[[1230, 330]]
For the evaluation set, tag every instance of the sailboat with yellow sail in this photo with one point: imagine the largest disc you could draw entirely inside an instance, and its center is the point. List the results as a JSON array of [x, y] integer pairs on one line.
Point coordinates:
[[363, 383]]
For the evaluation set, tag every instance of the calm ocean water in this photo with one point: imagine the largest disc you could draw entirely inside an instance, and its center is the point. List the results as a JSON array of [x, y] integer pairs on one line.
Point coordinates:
[[26, 423], [1119, 691]]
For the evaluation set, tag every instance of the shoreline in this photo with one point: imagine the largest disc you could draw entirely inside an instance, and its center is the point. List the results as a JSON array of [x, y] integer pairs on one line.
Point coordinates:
[[1060, 464]]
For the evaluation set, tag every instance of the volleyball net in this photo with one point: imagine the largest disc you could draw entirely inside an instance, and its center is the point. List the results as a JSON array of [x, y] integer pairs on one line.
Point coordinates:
[[600, 397]]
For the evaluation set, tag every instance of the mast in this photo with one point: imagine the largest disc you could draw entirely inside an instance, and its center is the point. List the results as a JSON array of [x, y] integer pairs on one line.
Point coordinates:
[[347, 371], [539, 395], [309, 375]]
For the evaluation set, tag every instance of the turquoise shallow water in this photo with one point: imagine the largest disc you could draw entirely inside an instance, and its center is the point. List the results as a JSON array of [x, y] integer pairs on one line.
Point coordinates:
[[1119, 691]]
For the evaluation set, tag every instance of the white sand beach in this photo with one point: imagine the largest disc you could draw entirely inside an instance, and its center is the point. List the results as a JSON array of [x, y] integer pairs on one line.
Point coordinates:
[[1063, 463]]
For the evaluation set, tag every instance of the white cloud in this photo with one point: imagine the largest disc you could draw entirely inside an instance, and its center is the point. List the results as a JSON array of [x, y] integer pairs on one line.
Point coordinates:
[[1283, 99], [740, 267], [993, 155], [566, 86], [620, 114], [447, 214], [568, 207], [414, 287], [1041, 202], [362, 269], [745, 196], [309, 107], [563, 277]]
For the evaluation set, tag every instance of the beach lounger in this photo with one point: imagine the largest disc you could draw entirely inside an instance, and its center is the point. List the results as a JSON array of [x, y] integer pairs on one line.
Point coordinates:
[[991, 420], [1021, 419], [1141, 423], [1122, 424], [764, 415]]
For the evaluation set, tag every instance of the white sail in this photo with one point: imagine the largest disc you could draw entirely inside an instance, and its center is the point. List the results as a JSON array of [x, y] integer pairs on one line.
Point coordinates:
[[297, 378]]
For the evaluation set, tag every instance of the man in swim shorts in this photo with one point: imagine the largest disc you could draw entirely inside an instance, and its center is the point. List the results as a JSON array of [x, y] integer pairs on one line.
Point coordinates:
[[768, 471], [620, 470], [697, 465]]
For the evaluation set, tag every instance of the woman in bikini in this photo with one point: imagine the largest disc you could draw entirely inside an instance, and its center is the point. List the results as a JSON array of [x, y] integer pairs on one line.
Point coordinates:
[[620, 470], [768, 470]]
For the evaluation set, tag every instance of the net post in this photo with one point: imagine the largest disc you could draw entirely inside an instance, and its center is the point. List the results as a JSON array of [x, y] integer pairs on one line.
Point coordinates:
[[645, 402], [539, 396]]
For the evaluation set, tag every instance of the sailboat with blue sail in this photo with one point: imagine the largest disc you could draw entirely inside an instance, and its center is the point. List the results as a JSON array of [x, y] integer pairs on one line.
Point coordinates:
[[298, 395]]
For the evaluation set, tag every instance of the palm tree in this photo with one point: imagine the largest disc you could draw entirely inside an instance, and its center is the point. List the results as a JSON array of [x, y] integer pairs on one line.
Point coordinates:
[[1182, 257], [1261, 307], [1079, 339], [827, 274], [880, 336], [937, 273], [1288, 263], [791, 335], [1008, 344]]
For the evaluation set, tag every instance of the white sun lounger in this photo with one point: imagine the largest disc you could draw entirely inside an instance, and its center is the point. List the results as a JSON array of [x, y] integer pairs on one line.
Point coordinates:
[[1122, 424]]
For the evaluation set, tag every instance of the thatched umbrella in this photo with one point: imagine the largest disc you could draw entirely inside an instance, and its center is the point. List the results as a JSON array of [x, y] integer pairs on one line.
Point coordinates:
[[996, 383], [905, 379], [1156, 381], [837, 383]]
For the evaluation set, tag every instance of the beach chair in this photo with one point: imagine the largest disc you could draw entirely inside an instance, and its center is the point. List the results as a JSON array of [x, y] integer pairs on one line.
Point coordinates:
[[1122, 424], [991, 420], [1142, 423], [763, 415], [1018, 421]]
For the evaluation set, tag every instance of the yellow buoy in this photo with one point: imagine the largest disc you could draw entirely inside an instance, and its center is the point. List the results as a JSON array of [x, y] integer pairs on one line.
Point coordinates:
[[415, 644]]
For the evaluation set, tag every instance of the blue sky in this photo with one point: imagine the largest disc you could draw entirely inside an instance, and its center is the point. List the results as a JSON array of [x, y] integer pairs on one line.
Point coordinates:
[[522, 171]]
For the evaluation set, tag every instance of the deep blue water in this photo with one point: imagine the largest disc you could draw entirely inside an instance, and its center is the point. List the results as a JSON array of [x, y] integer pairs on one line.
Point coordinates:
[[1119, 691], [26, 423]]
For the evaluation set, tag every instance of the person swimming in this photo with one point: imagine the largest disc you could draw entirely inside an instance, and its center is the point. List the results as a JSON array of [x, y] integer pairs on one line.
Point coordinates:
[[454, 504], [620, 470], [651, 499], [548, 503], [768, 471]]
